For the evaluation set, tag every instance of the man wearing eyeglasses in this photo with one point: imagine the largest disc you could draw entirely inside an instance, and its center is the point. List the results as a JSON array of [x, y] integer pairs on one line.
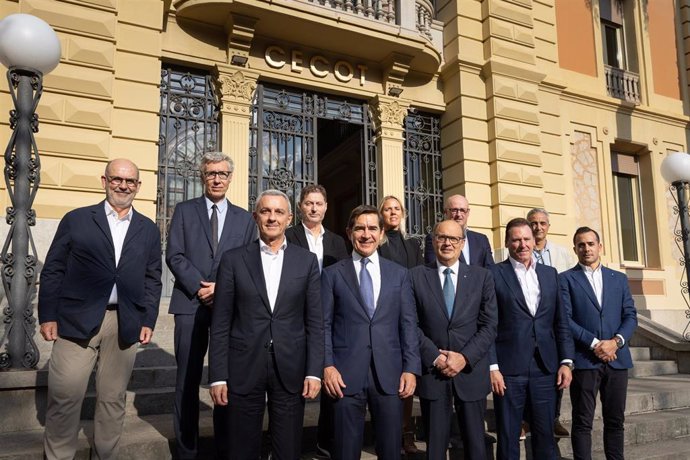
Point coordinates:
[[201, 230], [476, 250], [456, 310], [100, 289]]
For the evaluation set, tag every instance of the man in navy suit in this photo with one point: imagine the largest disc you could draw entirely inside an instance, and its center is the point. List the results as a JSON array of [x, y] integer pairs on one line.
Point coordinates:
[[328, 248], [533, 352], [602, 319], [100, 288], [456, 308], [476, 250], [372, 348], [201, 229], [267, 337]]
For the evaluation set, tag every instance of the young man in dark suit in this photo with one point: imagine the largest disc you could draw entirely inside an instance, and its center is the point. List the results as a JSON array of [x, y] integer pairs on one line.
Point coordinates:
[[201, 230], [602, 318], [372, 348], [456, 308], [533, 352], [100, 289], [267, 340], [328, 248]]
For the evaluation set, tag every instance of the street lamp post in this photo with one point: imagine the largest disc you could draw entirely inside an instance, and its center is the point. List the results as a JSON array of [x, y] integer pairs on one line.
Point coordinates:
[[29, 48], [676, 169]]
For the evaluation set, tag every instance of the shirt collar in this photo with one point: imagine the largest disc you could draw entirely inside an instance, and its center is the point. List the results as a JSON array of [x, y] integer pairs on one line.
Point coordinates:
[[308, 231], [222, 205], [373, 258], [455, 267], [520, 266], [109, 211], [587, 269], [547, 247], [266, 249]]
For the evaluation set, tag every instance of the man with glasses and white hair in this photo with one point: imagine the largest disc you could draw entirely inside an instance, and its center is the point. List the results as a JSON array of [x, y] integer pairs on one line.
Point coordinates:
[[477, 250], [100, 288], [201, 229]]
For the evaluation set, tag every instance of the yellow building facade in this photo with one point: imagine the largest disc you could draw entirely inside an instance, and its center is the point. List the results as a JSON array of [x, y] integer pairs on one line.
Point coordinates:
[[569, 105]]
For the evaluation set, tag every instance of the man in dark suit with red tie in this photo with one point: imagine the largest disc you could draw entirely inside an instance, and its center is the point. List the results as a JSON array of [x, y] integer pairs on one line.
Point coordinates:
[[201, 230], [267, 340], [456, 308], [372, 348]]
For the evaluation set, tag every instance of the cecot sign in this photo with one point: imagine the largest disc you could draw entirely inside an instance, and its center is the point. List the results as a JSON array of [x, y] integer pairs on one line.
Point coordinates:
[[319, 66]]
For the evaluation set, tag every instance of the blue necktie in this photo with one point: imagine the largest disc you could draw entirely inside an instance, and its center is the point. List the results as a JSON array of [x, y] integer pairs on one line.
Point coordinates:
[[366, 287], [448, 291]]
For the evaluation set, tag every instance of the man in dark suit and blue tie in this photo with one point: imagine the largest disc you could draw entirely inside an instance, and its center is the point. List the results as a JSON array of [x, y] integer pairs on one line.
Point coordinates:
[[372, 347], [456, 308], [602, 318], [476, 250], [267, 339], [100, 289], [201, 229], [533, 352]]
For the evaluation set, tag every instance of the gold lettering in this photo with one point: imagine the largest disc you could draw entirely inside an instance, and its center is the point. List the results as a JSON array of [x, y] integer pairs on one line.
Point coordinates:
[[362, 74], [337, 70], [279, 61], [296, 64], [315, 70]]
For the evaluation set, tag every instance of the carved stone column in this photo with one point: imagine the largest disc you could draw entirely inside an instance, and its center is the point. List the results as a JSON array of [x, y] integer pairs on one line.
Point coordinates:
[[236, 89], [388, 115]]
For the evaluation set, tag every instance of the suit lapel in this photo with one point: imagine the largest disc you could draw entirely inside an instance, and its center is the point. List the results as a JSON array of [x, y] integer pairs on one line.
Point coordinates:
[[285, 275], [511, 280], [435, 287], [204, 219], [541, 277], [581, 278], [348, 273], [606, 279], [252, 259], [102, 222], [135, 227], [461, 293], [302, 236]]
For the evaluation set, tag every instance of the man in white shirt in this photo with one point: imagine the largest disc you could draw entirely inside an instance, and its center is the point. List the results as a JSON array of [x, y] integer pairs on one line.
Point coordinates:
[[100, 289], [533, 352], [602, 318], [267, 340]]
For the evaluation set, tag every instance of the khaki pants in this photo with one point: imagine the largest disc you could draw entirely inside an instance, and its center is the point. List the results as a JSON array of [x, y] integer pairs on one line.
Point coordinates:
[[70, 366]]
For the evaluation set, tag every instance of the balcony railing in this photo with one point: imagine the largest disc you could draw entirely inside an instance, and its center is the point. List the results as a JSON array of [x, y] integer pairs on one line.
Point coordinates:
[[372, 9], [622, 84], [424, 14]]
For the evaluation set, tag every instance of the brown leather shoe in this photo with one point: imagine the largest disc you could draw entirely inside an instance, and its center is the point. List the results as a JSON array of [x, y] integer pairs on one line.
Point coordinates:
[[559, 431], [408, 443]]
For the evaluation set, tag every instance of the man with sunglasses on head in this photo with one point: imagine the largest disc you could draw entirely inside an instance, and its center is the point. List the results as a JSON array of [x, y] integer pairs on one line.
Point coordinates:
[[476, 250], [201, 229], [100, 289]]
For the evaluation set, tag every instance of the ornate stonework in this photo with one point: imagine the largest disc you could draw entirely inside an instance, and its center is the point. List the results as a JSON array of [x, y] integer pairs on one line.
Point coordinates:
[[388, 117], [237, 87], [585, 181]]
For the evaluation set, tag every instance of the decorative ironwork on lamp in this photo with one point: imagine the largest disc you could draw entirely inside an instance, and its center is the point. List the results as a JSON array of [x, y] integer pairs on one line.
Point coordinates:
[[676, 169], [29, 48]]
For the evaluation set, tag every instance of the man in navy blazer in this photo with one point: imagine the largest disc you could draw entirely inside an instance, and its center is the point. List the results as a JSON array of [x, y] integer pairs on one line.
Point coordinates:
[[456, 309], [100, 289], [533, 352], [267, 337], [372, 348], [196, 241], [476, 244], [602, 318]]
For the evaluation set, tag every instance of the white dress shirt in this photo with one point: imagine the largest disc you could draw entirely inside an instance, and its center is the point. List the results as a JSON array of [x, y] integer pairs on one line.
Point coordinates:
[[453, 275], [272, 265], [118, 230], [529, 283], [315, 243], [374, 269], [222, 206]]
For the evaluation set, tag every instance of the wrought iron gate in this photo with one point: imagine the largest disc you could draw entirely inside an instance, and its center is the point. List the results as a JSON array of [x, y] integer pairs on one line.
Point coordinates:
[[283, 140], [188, 129], [423, 173]]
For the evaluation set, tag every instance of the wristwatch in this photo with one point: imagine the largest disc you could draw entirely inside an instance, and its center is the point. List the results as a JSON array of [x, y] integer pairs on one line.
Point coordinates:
[[570, 366], [619, 342]]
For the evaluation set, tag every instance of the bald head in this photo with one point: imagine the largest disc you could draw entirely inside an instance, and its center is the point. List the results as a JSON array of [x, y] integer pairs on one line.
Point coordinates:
[[120, 181], [458, 209]]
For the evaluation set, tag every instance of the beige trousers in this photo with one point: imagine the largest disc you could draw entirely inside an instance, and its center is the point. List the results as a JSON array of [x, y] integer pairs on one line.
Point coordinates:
[[71, 363]]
